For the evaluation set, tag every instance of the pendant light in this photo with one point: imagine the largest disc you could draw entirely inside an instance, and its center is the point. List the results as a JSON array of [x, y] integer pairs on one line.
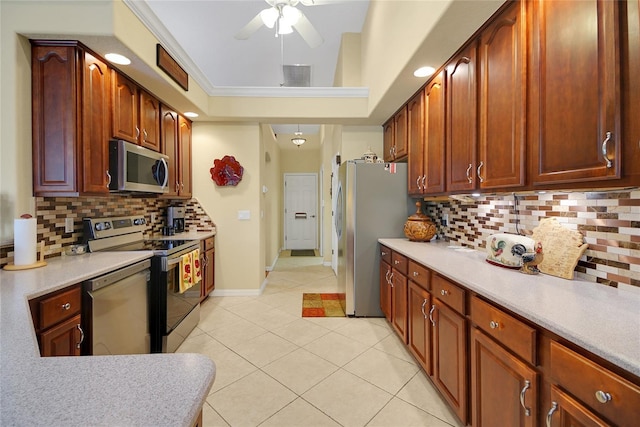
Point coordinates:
[[298, 140]]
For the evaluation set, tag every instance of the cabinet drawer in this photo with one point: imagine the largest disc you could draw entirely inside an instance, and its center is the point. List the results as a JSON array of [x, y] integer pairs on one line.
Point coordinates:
[[448, 292], [585, 380], [419, 274], [209, 243], [59, 307], [399, 262], [385, 254], [509, 331]]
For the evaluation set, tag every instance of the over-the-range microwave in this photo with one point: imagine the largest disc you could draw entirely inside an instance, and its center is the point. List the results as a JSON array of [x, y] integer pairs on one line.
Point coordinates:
[[137, 169]]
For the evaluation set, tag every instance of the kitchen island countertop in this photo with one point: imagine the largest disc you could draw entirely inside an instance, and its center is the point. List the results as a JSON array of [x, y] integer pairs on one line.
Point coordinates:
[[601, 319], [151, 389]]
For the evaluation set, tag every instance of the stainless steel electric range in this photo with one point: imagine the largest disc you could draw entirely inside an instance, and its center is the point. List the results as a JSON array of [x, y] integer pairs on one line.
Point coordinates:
[[172, 314]]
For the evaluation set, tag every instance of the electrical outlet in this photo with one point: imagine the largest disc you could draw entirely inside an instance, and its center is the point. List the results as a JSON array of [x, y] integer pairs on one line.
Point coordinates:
[[445, 220], [153, 218], [68, 225]]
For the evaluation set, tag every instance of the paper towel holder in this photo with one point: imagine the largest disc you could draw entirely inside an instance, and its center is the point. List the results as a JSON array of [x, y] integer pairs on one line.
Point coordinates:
[[37, 264]]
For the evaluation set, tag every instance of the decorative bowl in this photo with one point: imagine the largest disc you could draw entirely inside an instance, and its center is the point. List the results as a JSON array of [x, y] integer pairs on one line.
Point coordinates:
[[419, 227]]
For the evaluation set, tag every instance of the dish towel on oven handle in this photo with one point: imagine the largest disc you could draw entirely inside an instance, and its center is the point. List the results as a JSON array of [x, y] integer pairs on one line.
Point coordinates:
[[190, 270]]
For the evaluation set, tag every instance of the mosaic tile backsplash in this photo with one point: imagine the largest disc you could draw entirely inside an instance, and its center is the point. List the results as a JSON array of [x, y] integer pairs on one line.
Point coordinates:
[[609, 221], [51, 213]]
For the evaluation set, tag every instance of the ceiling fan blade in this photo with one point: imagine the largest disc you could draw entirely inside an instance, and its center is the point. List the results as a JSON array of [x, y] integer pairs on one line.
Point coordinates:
[[253, 26], [307, 31]]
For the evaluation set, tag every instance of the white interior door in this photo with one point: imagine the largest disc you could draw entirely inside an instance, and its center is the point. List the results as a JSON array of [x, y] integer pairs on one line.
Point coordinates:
[[300, 211]]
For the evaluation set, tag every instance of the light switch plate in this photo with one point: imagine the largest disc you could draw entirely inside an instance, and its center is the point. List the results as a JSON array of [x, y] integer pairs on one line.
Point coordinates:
[[244, 215], [68, 225]]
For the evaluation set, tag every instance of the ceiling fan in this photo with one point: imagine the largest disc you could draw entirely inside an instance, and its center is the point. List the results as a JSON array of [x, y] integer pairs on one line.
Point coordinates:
[[285, 17]]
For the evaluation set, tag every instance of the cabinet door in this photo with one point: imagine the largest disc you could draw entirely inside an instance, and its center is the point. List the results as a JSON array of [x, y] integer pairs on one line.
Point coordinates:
[[209, 271], [415, 136], [385, 289], [169, 137], [434, 132], [461, 121], [567, 412], [400, 142], [502, 117], [575, 108], [63, 339], [450, 358], [399, 304], [125, 108], [388, 140], [95, 126], [503, 388], [185, 157], [149, 121], [630, 64], [55, 109], [419, 334]]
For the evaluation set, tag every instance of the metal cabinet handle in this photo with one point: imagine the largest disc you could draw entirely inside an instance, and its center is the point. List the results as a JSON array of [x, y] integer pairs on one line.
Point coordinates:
[[603, 396], [416, 274], [444, 292], [66, 306], [108, 179], [177, 186], [424, 182], [418, 183], [554, 408], [433, 307], [422, 308], [383, 253], [494, 325], [391, 279], [137, 133], [469, 172], [604, 149], [144, 132], [396, 262], [81, 335], [394, 151], [527, 384], [480, 176], [386, 276]]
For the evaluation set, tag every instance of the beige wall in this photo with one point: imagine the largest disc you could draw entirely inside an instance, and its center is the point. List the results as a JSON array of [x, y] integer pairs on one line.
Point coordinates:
[[239, 256], [356, 140], [348, 72], [272, 199]]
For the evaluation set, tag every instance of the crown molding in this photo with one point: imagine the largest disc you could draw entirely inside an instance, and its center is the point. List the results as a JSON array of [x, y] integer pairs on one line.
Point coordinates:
[[291, 92]]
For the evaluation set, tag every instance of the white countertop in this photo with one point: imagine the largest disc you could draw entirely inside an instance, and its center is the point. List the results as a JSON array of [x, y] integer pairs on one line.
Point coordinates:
[[153, 389], [601, 319]]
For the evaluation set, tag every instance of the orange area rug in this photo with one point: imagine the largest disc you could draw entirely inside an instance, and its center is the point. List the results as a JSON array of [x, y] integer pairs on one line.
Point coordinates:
[[323, 305]]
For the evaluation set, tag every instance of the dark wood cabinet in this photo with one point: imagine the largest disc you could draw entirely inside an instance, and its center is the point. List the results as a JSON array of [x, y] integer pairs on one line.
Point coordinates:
[[502, 118], [388, 130], [136, 113], [504, 389], [419, 329], [385, 290], [207, 249], [415, 141], [461, 120], [399, 303], [70, 119], [574, 113], [176, 143], [57, 321], [434, 136], [395, 144], [568, 412]]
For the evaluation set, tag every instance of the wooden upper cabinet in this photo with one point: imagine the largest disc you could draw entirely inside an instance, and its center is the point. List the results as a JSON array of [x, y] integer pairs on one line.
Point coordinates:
[[125, 108], [185, 173], [575, 93], [461, 120], [434, 135], [388, 130], [502, 119], [169, 136], [630, 82], [400, 142], [70, 120], [415, 137], [149, 121]]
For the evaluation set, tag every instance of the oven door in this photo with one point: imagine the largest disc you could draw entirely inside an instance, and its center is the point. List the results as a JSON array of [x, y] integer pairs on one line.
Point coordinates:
[[179, 304]]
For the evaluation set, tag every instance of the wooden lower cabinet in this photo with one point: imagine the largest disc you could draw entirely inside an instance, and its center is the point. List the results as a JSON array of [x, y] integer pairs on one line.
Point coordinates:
[[63, 339], [419, 328], [567, 412], [450, 357], [385, 290], [503, 388], [399, 304], [208, 266]]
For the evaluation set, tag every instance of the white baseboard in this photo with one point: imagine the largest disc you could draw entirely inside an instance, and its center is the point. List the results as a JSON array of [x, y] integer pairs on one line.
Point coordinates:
[[273, 265], [327, 263]]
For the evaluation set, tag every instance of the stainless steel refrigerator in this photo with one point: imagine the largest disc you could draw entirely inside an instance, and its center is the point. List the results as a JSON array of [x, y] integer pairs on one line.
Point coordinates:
[[371, 203]]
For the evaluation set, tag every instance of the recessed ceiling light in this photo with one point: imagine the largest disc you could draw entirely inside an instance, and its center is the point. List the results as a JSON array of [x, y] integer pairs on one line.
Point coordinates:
[[117, 59], [191, 114], [424, 71]]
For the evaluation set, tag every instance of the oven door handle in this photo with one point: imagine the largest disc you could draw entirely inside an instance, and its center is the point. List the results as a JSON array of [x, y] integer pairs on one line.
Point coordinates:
[[174, 261]]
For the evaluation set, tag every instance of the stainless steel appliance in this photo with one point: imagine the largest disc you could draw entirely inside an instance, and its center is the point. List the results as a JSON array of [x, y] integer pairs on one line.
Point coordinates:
[[137, 169], [371, 203], [175, 218], [116, 311], [172, 314]]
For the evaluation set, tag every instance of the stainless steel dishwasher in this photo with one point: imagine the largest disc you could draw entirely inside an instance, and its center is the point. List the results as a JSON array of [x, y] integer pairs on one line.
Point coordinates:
[[116, 311]]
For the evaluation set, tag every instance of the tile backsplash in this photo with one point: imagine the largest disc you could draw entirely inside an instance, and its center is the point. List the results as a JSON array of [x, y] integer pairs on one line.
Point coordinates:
[[609, 221], [51, 213]]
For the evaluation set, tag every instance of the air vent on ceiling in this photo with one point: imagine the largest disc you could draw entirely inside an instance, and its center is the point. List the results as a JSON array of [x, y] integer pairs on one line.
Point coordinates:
[[296, 75]]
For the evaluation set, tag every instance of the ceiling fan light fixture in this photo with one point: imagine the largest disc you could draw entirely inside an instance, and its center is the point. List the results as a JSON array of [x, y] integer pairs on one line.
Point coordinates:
[[284, 27], [269, 17], [290, 15]]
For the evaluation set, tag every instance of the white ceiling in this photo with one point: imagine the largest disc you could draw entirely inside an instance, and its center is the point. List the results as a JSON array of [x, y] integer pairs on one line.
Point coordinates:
[[204, 30]]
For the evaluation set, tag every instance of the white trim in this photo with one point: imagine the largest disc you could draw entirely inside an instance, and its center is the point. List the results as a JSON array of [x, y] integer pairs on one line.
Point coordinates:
[[326, 263], [240, 292], [273, 265], [291, 92]]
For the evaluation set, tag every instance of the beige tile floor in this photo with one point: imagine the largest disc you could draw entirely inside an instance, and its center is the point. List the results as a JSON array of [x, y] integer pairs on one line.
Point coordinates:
[[275, 368]]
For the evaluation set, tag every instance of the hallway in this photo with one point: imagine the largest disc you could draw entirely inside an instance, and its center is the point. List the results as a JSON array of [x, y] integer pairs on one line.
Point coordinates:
[[275, 368]]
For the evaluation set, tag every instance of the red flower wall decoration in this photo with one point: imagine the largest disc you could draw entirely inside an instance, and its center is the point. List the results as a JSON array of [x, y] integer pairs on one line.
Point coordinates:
[[226, 171]]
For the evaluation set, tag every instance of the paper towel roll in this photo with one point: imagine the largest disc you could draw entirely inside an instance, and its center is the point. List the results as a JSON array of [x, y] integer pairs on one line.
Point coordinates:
[[24, 241]]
